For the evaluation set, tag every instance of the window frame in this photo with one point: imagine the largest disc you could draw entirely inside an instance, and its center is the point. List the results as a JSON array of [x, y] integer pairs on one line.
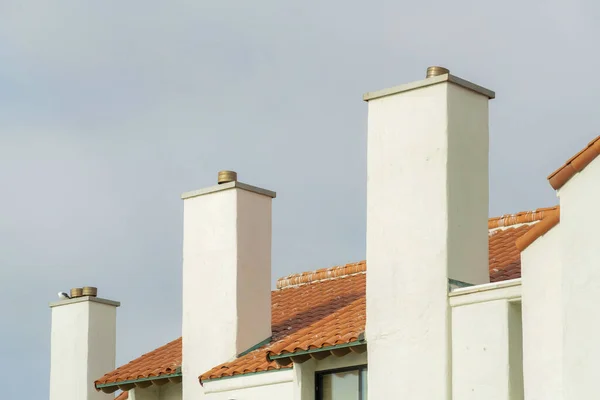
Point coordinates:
[[319, 378]]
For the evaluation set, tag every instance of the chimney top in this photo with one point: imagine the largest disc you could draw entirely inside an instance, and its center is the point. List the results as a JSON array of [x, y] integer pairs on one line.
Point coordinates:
[[436, 70], [226, 176], [89, 291], [84, 291]]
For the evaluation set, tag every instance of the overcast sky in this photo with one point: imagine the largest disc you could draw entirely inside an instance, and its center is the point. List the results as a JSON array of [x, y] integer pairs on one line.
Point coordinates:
[[109, 110]]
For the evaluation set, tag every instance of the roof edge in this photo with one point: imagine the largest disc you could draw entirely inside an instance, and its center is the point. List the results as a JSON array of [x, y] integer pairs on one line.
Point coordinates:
[[575, 164], [220, 378], [134, 382], [285, 359], [540, 229]]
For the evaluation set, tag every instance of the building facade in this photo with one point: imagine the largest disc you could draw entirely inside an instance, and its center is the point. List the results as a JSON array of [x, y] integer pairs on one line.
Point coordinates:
[[449, 303]]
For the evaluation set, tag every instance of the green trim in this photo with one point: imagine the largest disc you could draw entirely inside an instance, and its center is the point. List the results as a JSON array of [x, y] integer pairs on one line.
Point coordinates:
[[246, 374], [151, 378], [256, 346], [328, 348], [460, 284]]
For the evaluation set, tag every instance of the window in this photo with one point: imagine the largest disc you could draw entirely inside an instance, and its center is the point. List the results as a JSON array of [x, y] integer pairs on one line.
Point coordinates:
[[342, 384]]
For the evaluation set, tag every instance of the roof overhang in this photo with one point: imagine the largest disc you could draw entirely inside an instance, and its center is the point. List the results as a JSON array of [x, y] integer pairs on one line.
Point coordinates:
[[359, 346], [160, 380]]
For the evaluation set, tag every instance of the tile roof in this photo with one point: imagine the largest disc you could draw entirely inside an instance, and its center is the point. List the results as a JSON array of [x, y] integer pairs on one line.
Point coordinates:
[[575, 164], [326, 307], [160, 362], [523, 217], [538, 230]]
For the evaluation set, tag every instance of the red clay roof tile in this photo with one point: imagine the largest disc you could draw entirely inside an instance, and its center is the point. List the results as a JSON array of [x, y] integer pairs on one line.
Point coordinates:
[[575, 164], [538, 230], [523, 217], [163, 361], [326, 307]]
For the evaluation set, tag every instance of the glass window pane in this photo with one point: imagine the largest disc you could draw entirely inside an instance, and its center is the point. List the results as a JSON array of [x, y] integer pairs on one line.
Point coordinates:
[[363, 384], [341, 386]]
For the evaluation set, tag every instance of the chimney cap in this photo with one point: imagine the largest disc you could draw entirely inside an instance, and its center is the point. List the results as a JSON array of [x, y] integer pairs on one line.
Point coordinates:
[[76, 292], [226, 176], [89, 291], [436, 70]]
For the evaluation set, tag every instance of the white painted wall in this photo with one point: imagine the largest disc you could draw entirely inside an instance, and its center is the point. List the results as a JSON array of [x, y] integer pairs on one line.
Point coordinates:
[[171, 391], [269, 385], [226, 277], [579, 238], [541, 275], [149, 393], [168, 391], [83, 345], [304, 380], [427, 211], [486, 351]]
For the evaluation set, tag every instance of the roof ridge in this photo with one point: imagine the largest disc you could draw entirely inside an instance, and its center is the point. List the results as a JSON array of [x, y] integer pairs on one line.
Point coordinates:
[[322, 274], [343, 270], [521, 217]]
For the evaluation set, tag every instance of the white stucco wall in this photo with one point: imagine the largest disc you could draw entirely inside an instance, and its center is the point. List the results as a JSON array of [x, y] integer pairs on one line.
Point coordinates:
[[541, 275], [579, 238], [295, 384], [427, 211], [83, 345], [269, 385], [304, 380], [169, 391], [226, 279], [487, 351], [149, 393]]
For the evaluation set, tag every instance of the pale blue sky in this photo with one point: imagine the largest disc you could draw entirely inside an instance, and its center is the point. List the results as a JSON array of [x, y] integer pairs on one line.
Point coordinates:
[[108, 111]]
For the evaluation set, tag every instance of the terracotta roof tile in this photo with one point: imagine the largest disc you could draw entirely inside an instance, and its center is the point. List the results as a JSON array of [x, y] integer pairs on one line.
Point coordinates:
[[326, 307], [520, 218], [538, 230], [163, 361], [504, 257], [575, 164], [321, 274]]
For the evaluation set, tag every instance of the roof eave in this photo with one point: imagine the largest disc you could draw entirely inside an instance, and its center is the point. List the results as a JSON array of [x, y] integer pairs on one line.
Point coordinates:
[[111, 387], [358, 346]]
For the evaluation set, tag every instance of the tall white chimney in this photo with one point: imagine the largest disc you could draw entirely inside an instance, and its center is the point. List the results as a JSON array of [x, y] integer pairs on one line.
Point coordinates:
[[427, 212], [83, 344], [226, 275]]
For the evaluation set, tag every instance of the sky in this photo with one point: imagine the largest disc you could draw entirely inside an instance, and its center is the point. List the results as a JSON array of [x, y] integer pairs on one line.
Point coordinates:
[[110, 110]]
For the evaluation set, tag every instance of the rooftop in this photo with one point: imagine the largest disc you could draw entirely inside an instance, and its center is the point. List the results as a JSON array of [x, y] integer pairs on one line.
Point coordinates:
[[321, 309], [324, 310]]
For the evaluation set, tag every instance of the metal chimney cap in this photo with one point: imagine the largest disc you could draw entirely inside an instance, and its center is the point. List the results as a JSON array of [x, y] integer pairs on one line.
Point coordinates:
[[76, 292], [226, 176], [435, 71], [89, 291]]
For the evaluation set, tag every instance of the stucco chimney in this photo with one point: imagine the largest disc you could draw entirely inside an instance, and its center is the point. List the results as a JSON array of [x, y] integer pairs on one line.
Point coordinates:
[[427, 212], [83, 346], [226, 275]]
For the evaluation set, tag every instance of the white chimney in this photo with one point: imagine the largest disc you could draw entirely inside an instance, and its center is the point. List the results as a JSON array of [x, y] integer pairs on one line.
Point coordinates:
[[83, 344], [226, 275], [427, 213]]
